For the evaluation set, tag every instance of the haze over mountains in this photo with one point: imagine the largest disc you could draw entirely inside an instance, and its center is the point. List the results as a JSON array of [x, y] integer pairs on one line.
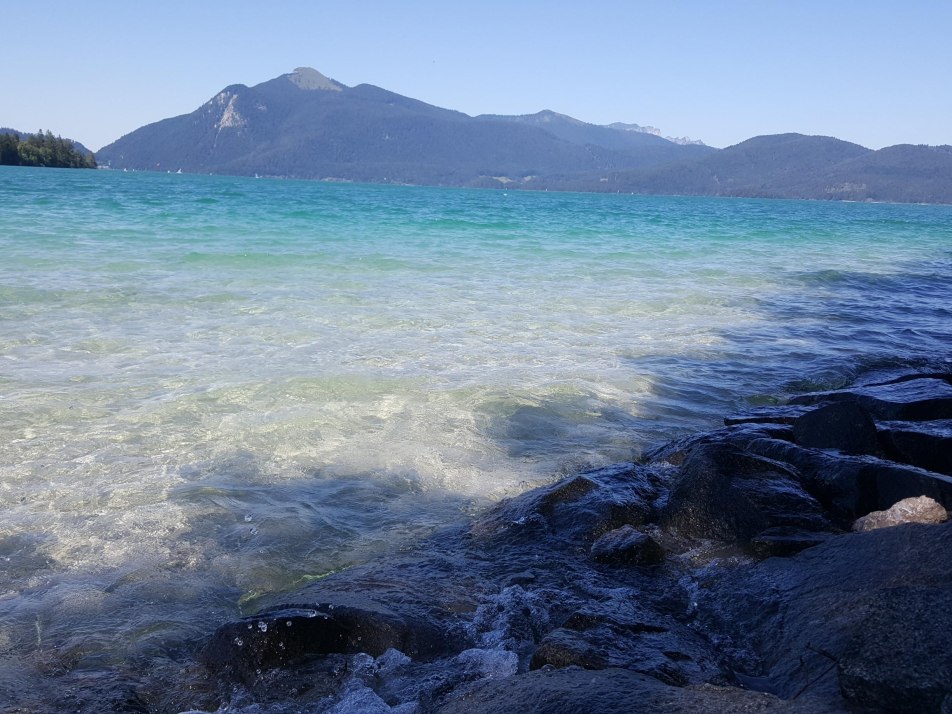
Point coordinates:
[[305, 125]]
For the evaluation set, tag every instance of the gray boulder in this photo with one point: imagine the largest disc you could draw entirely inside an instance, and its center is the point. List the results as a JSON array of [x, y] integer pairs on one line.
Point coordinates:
[[921, 509]]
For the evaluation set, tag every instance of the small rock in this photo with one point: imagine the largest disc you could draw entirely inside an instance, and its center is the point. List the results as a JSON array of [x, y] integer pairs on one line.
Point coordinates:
[[921, 509]]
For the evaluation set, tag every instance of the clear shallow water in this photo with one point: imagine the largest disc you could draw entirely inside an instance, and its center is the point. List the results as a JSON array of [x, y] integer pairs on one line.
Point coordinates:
[[212, 388]]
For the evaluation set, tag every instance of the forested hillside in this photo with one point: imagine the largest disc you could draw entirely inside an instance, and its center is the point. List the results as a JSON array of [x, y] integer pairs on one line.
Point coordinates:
[[42, 149]]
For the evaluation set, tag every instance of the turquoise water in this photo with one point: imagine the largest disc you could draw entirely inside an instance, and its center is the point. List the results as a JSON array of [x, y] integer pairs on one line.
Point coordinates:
[[214, 388]]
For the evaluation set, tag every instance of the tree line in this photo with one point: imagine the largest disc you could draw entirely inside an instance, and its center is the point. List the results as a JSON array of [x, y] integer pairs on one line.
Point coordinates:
[[42, 149]]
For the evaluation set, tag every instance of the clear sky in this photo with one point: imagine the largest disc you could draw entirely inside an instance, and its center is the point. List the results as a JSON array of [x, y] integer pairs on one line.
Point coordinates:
[[877, 73]]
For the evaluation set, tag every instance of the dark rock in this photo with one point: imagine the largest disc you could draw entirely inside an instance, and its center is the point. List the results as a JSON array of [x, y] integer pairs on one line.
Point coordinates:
[[612, 691], [909, 510], [844, 426], [739, 433], [627, 546], [786, 622], [603, 646], [927, 445], [576, 510], [726, 494], [768, 415], [919, 399], [617, 631], [781, 542], [900, 660], [279, 637], [404, 603], [247, 646], [852, 486]]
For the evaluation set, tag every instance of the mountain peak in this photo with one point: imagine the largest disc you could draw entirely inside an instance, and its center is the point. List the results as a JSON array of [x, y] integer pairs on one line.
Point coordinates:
[[310, 79]]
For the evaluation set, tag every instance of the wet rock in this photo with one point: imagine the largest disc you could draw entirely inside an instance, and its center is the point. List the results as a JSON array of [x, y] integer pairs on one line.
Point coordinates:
[[851, 486], [284, 636], [371, 609], [618, 632], [612, 691], [576, 510], [726, 494], [603, 646], [247, 646], [900, 660], [785, 414], [917, 399], [927, 445], [739, 433], [844, 426], [627, 546], [782, 542], [909, 510], [786, 623]]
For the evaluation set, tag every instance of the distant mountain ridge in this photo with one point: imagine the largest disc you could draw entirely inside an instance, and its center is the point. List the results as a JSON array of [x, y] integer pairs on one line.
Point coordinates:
[[653, 130], [808, 167], [306, 125]]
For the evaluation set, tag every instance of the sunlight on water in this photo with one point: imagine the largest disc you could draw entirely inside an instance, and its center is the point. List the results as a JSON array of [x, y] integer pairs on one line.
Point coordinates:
[[212, 389]]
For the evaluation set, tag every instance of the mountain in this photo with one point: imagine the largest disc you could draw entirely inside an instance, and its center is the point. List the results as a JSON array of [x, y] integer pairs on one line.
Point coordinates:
[[799, 166], [641, 148], [906, 173], [305, 125], [761, 166], [652, 130]]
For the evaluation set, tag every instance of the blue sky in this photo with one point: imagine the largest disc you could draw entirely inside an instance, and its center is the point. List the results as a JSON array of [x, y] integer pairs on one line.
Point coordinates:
[[872, 72]]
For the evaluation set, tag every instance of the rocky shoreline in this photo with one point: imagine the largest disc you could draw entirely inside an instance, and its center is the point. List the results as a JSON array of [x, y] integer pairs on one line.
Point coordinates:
[[736, 571]]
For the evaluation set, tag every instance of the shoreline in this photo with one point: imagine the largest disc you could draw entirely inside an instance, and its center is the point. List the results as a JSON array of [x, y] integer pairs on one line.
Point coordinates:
[[719, 575]]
